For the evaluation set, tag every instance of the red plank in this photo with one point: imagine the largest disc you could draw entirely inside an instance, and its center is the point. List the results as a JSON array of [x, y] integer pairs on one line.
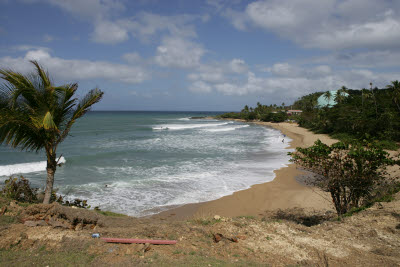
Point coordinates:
[[139, 241]]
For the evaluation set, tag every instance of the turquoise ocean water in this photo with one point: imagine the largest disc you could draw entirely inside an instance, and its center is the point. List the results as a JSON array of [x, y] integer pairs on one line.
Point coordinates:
[[151, 161]]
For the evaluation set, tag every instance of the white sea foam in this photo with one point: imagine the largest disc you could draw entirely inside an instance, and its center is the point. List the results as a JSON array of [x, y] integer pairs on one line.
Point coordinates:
[[7, 170], [226, 129], [184, 119], [187, 126]]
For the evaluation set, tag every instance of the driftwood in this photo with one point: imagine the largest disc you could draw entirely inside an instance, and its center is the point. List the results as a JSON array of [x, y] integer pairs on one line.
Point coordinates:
[[138, 241]]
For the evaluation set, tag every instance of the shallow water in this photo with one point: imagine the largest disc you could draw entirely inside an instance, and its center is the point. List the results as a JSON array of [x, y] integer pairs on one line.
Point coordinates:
[[152, 160]]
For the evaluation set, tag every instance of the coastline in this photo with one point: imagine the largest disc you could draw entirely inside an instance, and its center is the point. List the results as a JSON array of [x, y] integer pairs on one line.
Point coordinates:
[[287, 190]]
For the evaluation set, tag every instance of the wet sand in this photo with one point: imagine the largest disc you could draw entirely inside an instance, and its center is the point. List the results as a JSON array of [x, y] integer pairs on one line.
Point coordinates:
[[287, 190]]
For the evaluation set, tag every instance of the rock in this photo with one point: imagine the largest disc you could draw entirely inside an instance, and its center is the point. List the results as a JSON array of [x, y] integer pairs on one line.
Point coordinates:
[[30, 223], [41, 223], [218, 237], [79, 227], [242, 237], [58, 224], [233, 239], [3, 210], [217, 217]]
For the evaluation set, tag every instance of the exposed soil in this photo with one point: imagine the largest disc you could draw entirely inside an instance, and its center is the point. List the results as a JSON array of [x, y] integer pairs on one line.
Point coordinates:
[[279, 238]]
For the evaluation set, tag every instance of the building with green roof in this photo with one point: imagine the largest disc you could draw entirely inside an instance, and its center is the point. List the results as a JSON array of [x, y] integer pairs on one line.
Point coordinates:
[[323, 101]]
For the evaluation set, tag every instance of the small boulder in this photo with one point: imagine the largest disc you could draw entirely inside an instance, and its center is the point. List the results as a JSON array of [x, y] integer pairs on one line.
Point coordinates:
[[41, 223], [30, 223], [58, 224], [79, 227]]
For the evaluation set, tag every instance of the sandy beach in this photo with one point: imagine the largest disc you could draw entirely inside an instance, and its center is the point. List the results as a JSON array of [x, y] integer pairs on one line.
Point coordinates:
[[284, 192]]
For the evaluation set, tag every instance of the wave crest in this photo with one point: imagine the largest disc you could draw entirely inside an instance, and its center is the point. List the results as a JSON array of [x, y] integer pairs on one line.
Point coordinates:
[[8, 170]]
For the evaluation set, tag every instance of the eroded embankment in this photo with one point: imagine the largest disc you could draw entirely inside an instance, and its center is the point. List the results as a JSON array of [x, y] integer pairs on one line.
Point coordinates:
[[63, 236]]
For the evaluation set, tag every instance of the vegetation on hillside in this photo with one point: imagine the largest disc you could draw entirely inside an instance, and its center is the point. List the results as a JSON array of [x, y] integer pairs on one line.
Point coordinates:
[[261, 112], [361, 115], [366, 114]]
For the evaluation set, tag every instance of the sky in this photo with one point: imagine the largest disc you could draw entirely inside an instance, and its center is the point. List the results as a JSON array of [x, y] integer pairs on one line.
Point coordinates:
[[211, 55]]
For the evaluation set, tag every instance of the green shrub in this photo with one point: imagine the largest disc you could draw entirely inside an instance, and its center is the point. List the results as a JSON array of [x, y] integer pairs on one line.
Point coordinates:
[[274, 117], [19, 189], [351, 174]]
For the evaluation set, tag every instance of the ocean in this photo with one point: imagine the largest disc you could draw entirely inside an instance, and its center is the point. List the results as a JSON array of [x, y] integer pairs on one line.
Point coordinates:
[[139, 163]]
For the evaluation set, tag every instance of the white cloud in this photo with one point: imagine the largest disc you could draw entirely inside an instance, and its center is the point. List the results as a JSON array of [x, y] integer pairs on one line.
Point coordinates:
[[238, 19], [75, 69], [336, 24], [367, 59], [285, 69], [111, 28], [145, 25], [287, 81], [208, 73], [218, 72], [132, 58], [89, 9], [109, 33], [200, 87], [377, 34], [238, 65], [178, 52], [24, 48]]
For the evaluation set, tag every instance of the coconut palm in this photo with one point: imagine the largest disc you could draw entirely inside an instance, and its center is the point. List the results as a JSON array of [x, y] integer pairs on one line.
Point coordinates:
[[35, 114], [341, 94], [328, 97], [395, 90]]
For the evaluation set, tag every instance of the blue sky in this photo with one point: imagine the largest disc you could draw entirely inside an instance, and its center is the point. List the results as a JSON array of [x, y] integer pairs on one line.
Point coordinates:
[[204, 55]]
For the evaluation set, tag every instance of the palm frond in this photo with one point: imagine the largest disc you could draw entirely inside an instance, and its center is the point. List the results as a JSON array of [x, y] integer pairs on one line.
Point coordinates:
[[35, 114], [83, 107]]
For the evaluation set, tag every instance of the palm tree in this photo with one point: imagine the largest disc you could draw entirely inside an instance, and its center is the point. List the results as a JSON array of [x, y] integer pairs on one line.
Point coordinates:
[[35, 114], [365, 94], [328, 96], [395, 90], [341, 94]]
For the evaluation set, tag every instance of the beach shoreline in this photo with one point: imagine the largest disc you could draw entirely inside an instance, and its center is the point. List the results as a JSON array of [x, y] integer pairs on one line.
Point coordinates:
[[287, 190]]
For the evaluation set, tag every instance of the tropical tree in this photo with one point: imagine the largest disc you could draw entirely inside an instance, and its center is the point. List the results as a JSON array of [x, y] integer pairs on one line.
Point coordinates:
[[395, 90], [328, 96], [351, 174], [340, 96], [35, 114]]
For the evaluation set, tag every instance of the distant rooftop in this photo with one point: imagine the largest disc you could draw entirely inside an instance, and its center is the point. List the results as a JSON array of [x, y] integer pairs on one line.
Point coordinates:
[[323, 101]]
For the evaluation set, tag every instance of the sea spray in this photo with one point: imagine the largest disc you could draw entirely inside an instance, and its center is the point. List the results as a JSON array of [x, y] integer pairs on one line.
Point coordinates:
[[123, 161]]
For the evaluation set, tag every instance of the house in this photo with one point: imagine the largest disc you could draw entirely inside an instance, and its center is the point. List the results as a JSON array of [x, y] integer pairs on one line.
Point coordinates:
[[324, 101], [294, 112]]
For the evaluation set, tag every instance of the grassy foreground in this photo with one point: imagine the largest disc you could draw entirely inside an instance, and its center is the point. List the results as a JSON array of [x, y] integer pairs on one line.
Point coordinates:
[[282, 238]]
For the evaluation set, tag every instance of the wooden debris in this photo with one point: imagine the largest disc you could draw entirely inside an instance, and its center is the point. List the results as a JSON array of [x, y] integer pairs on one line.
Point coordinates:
[[139, 241]]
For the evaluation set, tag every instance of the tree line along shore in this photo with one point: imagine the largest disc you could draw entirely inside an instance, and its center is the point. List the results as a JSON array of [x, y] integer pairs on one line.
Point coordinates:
[[346, 114]]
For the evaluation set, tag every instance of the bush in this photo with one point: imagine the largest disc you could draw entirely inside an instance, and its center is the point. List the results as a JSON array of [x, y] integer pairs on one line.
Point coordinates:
[[19, 189], [79, 203], [274, 117], [351, 174]]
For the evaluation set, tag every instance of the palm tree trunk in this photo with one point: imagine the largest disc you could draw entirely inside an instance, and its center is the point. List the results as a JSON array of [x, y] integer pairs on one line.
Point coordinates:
[[51, 170]]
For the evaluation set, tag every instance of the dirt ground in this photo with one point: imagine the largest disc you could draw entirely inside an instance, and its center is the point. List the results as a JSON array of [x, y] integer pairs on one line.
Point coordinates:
[[53, 235]]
